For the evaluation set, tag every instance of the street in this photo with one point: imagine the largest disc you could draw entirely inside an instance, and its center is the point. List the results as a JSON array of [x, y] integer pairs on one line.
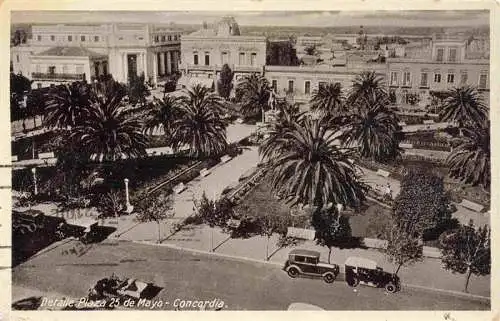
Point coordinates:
[[184, 275]]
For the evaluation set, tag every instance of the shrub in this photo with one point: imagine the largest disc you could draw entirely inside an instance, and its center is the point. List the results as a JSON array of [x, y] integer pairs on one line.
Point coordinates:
[[111, 204]]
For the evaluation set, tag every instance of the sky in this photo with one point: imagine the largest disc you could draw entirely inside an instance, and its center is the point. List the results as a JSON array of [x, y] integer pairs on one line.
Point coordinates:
[[263, 18]]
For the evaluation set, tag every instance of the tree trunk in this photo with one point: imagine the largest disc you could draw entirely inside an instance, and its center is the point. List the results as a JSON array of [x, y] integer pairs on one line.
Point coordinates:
[[159, 234], [469, 273], [399, 267], [329, 254], [267, 248]]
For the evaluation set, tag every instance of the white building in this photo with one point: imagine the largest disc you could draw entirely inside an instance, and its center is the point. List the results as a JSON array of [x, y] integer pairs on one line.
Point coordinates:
[[121, 50]]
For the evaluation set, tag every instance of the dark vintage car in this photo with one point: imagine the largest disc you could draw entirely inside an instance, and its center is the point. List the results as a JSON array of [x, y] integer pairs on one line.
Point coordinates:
[[28, 221], [307, 263], [364, 271]]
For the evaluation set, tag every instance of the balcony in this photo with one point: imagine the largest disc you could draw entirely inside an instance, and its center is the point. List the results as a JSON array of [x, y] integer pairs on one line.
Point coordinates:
[[56, 76]]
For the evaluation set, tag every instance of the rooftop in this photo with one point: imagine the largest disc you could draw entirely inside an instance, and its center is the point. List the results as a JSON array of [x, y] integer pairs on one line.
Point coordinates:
[[70, 52]]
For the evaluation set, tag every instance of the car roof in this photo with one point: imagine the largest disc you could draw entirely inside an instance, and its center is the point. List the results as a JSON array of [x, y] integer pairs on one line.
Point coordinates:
[[361, 262], [304, 252]]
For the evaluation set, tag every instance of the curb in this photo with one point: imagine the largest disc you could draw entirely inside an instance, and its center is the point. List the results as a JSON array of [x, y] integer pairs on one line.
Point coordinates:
[[244, 259]]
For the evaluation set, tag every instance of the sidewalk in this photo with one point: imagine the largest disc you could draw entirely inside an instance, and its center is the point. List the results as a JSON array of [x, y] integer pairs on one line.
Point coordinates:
[[428, 273]]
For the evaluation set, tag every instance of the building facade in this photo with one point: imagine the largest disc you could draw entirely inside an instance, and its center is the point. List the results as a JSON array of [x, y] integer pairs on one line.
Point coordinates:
[[444, 64], [204, 52], [130, 49]]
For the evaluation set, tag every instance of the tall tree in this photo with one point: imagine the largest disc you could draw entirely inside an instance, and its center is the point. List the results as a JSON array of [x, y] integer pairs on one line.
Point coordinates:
[[281, 53], [67, 104], [366, 85], [225, 82], [464, 106], [163, 115], [422, 203], [138, 90], [328, 100], [467, 251], [313, 170], [269, 225], [107, 131], [154, 209], [470, 161], [253, 94], [331, 227], [199, 125], [373, 129], [402, 247]]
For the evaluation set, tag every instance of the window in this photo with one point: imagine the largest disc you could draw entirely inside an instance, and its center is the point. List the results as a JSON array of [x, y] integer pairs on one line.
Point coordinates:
[[290, 86], [140, 38], [17, 58], [274, 83], [105, 68], [307, 87], [39, 38], [52, 38], [300, 259], [440, 54], [451, 78], [82, 38], [424, 80], [163, 38], [311, 260], [96, 38], [483, 81], [70, 38], [169, 38], [195, 58], [241, 59], [463, 78], [394, 78], [406, 78], [207, 59], [452, 55], [253, 57], [176, 37], [321, 84], [224, 58], [37, 68], [52, 70], [157, 38], [39, 85], [437, 78]]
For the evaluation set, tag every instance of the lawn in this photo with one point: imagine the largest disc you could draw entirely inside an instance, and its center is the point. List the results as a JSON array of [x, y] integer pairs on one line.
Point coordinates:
[[259, 202]]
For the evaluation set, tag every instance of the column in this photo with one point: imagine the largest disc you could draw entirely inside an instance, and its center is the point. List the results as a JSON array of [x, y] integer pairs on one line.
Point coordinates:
[[145, 65], [124, 67], [169, 59], [155, 66], [162, 63]]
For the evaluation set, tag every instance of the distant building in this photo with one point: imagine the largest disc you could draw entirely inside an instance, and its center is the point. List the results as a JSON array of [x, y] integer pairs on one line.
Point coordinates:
[[447, 62], [204, 52], [64, 52]]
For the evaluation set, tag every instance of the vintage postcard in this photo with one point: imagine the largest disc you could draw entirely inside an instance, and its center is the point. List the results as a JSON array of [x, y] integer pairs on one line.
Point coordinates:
[[249, 158]]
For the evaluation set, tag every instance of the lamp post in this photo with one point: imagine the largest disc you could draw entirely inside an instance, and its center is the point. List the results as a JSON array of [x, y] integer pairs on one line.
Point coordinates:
[[213, 227], [33, 170], [129, 207]]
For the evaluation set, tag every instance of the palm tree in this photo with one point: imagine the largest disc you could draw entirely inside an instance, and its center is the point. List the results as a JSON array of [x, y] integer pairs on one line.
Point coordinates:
[[162, 115], [313, 169], [107, 131], [199, 124], [464, 106], [328, 100], [253, 93], [67, 104], [470, 160], [373, 130], [364, 85]]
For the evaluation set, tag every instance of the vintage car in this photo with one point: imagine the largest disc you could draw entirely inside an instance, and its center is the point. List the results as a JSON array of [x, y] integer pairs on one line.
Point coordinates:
[[306, 262], [28, 221], [364, 271], [116, 287]]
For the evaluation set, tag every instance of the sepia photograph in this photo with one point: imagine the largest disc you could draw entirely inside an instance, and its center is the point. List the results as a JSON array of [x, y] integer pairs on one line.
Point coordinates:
[[250, 160]]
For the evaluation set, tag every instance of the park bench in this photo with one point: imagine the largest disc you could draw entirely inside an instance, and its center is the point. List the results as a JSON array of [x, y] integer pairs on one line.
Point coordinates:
[[406, 145], [179, 188], [46, 155], [225, 159], [383, 173], [204, 172], [471, 205]]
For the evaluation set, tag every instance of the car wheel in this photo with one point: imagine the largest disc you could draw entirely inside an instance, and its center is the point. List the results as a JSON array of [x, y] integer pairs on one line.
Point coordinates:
[[329, 277], [293, 272], [390, 287]]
